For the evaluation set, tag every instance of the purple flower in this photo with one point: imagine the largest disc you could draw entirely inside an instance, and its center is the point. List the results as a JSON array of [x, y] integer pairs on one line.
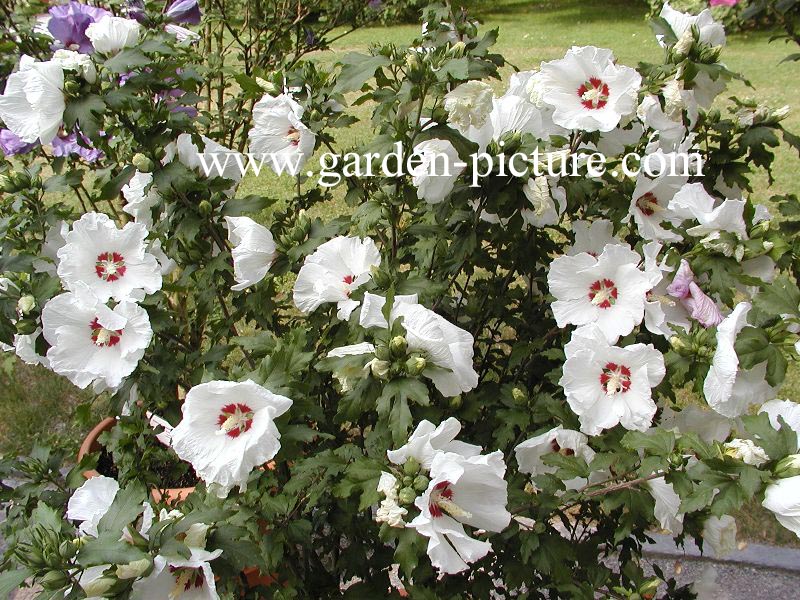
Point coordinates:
[[135, 11], [67, 145], [11, 145], [700, 307], [68, 23], [184, 11], [374, 4], [171, 97]]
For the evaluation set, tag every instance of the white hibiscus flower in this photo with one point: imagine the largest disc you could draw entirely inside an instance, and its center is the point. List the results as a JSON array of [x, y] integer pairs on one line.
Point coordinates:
[[543, 194], [728, 389], [662, 312], [788, 410], [389, 511], [141, 197], [693, 202], [588, 89], [428, 440], [462, 491], [709, 425], [437, 172], [592, 237], [90, 342], [783, 499], [253, 253], [227, 430], [559, 440], [448, 349], [720, 534], [75, 61], [746, 451], [469, 105], [671, 132], [32, 106], [609, 290], [335, 269], [214, 160], [54, 240], [606, 385], [279, 133], [90, 502], [112, 262], [667, 506], [111, 34], [177, 577], [510, 113], [649, 203], [711, 32]]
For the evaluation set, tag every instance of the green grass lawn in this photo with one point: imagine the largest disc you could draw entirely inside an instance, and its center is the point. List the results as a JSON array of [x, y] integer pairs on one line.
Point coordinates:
[[36, 405]]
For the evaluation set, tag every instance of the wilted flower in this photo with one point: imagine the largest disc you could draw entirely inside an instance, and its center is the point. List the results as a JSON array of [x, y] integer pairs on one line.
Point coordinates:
[[141, 197], [253, 251], [667, 506], [720, 534], [74, 61], [697, 304], [559, 440], [746, 451], [389, 511], [11, 144], [186, 12], [66, 145], [469, 105]]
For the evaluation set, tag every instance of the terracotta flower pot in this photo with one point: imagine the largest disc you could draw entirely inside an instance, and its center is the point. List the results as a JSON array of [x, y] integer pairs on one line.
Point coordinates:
[[170, 496]]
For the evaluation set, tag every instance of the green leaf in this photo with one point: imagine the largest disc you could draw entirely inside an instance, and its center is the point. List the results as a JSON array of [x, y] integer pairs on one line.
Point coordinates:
[[125, 509], [108, 549], [753, 347], [10, 581], [237, 550], [86, 112], [781, 297], [357, 69], [236, 207], [126, 60], [659, 441], [777, 443]]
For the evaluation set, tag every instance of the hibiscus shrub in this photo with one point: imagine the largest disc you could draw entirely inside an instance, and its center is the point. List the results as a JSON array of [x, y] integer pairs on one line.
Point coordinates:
[[478, 382]]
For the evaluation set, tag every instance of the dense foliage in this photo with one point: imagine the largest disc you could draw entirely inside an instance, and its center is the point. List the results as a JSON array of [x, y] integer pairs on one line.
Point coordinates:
[[310, 376]]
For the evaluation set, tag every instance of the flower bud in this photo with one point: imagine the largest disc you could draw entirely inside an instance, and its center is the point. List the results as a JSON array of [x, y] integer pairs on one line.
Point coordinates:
[[72, 87], [205, 208], [407, 495], [519, 395], [411, 466], [380, 368], [67, 549], [55, 580], [26, 304], [142, 163], [416, 365], [265, 85], [421, 483], [383, 353], [788, 466], [99, 586], [684, 45], [26, 326], [398, 346], [456, 402], [133, 569], [408, 481]]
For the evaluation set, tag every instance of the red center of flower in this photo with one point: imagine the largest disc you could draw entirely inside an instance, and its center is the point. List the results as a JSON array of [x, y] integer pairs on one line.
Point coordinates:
[[603, 293], [349, 279], [103, 337], [110, 266], [235, 419], [441, 491], [648, 204], [293, 136], [615, 378], [187, 578], [554, 445], [593, 93]]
